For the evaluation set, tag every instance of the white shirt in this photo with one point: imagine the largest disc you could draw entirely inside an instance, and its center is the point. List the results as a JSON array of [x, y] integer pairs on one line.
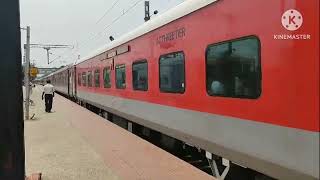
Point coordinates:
[[48, 89]]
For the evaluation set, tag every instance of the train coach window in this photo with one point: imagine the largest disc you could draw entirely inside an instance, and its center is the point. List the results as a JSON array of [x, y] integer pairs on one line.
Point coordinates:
[[97, 78], [233, 68], [84, 79], [89, 76], [121, 76], [107, 77], [172, 73], [140, 75]]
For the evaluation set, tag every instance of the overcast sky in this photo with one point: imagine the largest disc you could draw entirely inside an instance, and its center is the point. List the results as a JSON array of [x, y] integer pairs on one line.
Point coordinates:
[[76, 22]]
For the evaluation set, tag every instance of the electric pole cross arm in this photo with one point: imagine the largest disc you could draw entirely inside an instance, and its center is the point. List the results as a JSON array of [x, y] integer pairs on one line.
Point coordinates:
[[48, 47]]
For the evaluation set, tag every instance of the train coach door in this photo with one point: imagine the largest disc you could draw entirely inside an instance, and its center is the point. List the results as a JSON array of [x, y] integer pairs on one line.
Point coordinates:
[[70, 82], [74, 82]]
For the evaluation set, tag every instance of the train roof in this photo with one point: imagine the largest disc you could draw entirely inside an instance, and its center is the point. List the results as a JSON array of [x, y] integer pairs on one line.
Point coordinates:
[[57, 71], [171, 15], [62, 69]]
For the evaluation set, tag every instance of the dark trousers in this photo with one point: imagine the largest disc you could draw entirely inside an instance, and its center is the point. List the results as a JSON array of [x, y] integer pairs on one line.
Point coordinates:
[[48, 101]]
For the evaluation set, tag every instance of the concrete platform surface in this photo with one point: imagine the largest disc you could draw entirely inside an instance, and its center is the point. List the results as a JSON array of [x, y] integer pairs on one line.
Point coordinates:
[[74, 143], [57, 150]]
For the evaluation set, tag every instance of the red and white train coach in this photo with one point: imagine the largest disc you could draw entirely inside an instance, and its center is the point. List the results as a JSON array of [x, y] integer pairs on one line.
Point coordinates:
[[237, 79]]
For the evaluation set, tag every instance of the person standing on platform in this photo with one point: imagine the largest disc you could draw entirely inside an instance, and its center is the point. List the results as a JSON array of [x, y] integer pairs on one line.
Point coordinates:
[[48, 94]]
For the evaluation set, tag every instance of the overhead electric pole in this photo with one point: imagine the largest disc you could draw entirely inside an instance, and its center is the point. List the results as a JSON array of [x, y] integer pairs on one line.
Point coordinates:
[[48, 54], [48, 47], [146, 11], [147, 15], [26, 73]]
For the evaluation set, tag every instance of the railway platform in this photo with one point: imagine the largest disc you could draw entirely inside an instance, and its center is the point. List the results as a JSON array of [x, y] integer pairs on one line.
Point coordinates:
[[74, 143]]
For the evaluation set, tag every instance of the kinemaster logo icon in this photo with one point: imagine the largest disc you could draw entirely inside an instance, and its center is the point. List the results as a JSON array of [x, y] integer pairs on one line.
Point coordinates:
[[292, 20]]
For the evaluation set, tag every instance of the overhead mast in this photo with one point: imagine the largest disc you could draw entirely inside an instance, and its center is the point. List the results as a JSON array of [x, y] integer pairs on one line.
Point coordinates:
[[146, 11]]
